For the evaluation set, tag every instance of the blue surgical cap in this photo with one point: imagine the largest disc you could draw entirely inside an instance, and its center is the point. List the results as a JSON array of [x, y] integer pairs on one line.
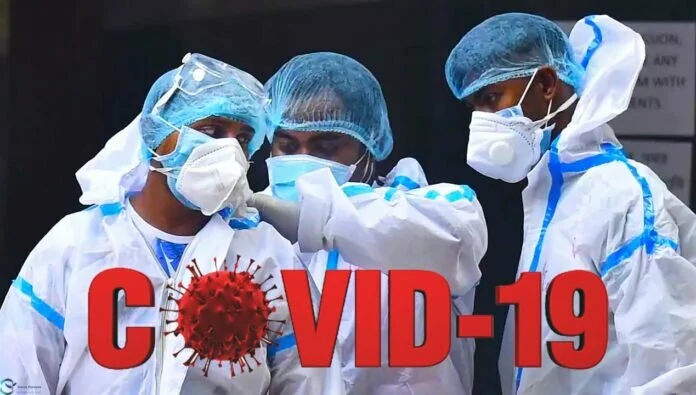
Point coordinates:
[[205, 88], [510, 46], [329, 92]]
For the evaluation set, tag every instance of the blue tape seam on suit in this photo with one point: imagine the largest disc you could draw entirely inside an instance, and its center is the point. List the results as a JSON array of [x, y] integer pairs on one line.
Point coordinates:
[[649, 238], [464, 192], [38, 304]]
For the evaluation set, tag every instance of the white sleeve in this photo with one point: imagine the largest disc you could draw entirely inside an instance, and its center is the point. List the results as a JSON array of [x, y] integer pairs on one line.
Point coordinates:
[[651, 292], [439, 228], [622, 232], [288, 377], [32, 319], [654, 303]]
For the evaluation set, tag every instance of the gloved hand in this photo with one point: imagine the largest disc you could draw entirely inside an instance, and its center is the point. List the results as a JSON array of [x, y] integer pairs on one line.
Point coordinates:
[[282, 215], [240, 198]]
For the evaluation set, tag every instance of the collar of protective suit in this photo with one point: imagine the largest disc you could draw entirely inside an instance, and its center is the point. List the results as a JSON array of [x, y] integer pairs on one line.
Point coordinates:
[[612, 55]]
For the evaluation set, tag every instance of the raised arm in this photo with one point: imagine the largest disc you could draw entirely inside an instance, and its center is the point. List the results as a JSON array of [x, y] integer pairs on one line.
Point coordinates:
[[440, 227]]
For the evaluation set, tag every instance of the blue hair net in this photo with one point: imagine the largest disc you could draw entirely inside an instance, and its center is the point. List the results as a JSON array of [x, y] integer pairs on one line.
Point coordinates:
[[329, 92], [203, 87], [510, 46]]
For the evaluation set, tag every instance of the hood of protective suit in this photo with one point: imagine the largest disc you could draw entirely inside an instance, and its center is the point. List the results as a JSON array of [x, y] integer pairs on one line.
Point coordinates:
[[119, 168], [613, 56]]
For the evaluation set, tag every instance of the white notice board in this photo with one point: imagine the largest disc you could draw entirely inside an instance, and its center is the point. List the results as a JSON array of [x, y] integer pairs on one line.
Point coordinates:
[[671, 161], [664, 100]]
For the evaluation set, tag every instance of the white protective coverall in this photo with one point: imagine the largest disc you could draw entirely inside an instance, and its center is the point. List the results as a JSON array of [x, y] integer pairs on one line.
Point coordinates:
[[43, 320], [588, 207], [404, 225]]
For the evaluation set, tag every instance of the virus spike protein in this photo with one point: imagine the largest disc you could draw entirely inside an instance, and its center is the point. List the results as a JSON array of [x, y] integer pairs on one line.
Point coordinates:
[[223, 315]]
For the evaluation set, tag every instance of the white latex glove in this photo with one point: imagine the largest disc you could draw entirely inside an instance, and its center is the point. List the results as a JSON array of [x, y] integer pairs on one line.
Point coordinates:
[[282, 215]]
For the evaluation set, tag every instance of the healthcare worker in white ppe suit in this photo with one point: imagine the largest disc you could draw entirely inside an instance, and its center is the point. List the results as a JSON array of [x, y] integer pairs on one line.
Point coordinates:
[[329, 126], [160, 189], [586, 207]]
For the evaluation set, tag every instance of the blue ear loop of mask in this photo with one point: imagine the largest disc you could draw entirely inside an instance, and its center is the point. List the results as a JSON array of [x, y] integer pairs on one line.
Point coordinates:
[[283, 172]]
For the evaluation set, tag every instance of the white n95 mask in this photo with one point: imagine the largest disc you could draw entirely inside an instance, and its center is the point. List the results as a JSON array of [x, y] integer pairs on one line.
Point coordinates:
[[213, 177], [506, 145]]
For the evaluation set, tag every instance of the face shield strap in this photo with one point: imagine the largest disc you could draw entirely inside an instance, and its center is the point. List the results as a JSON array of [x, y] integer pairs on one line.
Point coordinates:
[[176, 85], [154, 154], [168, 94]]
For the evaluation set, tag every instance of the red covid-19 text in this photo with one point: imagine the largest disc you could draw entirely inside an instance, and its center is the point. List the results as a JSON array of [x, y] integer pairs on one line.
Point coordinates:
[[575, 303]]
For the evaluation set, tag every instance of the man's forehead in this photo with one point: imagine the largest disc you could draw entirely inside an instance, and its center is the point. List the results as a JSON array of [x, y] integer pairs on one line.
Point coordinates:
[[513, 83], [226, 122], [310, 135]]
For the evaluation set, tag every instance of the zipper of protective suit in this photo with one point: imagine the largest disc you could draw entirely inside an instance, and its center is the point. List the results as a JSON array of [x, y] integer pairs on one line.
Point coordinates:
[[163, 324]]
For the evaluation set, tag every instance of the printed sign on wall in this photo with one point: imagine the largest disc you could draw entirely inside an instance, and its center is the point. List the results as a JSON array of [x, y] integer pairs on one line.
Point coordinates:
[[671, 161]]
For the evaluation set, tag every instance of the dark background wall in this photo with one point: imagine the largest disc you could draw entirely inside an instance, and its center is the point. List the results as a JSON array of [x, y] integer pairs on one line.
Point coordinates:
[[79, 71]]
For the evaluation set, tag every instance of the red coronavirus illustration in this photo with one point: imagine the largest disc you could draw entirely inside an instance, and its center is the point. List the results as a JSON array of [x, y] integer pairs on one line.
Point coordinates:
[[223, 315]]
